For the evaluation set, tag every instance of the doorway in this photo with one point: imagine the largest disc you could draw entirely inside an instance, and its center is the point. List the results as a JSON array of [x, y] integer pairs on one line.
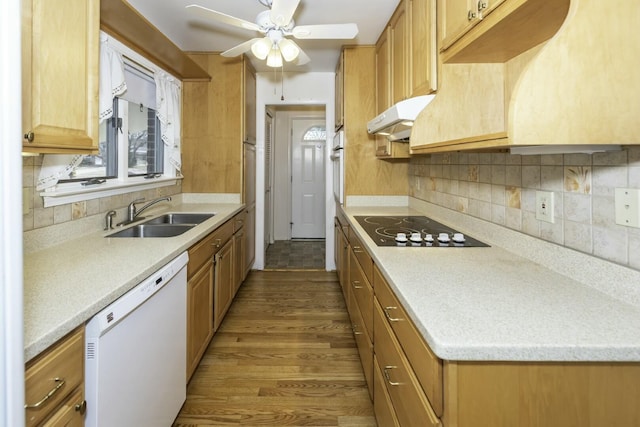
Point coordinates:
[[295, 151]]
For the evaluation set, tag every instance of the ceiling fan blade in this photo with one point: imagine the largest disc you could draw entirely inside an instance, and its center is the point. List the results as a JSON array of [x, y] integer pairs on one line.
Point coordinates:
[[222, 17], [240, 49], [282, 11], [302, 58], [325, 31]]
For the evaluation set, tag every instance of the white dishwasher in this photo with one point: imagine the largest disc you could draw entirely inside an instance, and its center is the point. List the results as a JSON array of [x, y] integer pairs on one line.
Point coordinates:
[[135, 361]]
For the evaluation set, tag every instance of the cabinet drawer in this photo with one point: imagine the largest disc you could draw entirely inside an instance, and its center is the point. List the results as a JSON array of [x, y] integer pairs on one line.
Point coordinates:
[[365, 347], [204, 250], [382, 406], [411, 404], [426, 365], [362, 255], [363, 294], [239, 220], [60, 368]]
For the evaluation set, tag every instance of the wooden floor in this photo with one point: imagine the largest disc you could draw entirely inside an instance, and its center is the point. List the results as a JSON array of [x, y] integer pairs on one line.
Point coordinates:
[[284, 356]]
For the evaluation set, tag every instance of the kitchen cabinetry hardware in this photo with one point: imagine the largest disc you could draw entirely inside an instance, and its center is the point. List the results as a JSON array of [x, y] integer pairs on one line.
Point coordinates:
[[61, 382], [217, 243], [388, 316], [471, 15], [356, 284], [354, 328], [387, 375], [108, 220], [81, 407], [482, 5], [29, 136], [357, 249]]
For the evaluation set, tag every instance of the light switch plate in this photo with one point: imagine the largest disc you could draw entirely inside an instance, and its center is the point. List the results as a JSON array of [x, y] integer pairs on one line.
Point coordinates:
[[544, 206], [628, 207]]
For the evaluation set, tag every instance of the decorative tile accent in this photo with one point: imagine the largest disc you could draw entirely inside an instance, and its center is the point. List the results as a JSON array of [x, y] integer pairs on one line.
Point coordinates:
[[473, 173], [577, 179], [78, 210], [512, 195]]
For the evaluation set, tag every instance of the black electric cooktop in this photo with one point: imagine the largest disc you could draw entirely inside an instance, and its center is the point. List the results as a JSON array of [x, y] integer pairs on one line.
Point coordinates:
[[384, 231]]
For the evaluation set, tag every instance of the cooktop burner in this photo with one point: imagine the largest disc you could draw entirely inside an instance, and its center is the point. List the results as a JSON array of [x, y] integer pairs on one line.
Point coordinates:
[[414, 231]]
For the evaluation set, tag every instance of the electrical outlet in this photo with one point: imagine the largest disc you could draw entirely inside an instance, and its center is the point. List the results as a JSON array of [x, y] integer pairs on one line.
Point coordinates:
[[544, 206], [628, 207]]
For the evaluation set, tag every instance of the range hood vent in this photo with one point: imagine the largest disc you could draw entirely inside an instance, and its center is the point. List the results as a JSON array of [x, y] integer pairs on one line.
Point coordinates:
[[396, 122]]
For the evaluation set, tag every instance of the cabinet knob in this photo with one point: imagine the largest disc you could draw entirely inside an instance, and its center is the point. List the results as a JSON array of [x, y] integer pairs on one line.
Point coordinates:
[[217, 243], [81, 407], [29, 136], [471, 15], [482, 5]]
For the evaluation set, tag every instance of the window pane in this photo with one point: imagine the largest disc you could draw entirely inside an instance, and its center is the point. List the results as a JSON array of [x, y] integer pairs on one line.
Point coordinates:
[[145, 146], [104, 164]]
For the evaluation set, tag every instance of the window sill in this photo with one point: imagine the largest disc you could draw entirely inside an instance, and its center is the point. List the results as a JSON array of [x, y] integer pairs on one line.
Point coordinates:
[[75, 192]]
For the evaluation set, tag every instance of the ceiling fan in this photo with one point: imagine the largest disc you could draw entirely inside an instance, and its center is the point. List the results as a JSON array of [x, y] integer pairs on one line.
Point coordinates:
[[276, 24]]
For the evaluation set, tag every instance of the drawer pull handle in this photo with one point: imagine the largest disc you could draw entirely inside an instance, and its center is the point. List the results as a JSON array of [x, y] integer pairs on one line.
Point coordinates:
[[81, 407], [357, 249], [388, 316], [355, 330], [217, 243], [388, 376], [356, 284], [60, 382]]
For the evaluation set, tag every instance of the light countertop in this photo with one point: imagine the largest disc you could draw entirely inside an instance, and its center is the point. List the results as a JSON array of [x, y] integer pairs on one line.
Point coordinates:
[[491, 304], [66, 284]]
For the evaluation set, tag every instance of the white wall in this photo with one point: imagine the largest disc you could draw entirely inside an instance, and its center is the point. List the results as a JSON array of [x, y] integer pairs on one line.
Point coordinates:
[[298, 89]]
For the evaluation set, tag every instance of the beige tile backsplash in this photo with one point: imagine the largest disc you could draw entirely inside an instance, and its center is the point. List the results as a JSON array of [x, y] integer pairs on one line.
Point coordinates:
[[39, 217], [501, 188]]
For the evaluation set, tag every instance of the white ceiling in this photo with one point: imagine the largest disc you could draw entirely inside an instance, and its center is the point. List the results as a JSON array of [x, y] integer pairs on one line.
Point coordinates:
[[192, 33]]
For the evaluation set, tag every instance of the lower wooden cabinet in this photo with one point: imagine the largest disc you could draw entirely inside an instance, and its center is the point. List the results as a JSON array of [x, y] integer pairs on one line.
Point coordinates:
[[199, 315], [382, 405], [54, 384], [211, 285], [223, 283]]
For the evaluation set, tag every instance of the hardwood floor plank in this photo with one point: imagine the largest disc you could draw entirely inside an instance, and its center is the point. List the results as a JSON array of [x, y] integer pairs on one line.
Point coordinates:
[[284, 356]]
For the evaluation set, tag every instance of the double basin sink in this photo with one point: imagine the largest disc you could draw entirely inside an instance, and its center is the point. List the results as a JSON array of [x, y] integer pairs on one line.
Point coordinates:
[[167, 225]]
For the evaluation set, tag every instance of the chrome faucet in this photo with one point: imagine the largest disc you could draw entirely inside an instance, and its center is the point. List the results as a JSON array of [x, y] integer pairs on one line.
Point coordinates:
[[133, 212]]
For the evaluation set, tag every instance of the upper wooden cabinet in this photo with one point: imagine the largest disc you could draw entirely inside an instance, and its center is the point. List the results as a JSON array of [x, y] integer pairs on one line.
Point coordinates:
[[423, 60], [383, 72], [339, 93], [60, 52], [399, 33], [496, 30], [249, 111]]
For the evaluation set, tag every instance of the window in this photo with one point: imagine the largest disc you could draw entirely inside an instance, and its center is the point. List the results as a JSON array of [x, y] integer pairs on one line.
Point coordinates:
[[315, 133], [130, 143], [134, 145]]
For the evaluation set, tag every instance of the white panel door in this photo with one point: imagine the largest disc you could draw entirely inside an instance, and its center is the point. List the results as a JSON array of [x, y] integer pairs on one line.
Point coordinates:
[[268, 194], [308, 176]]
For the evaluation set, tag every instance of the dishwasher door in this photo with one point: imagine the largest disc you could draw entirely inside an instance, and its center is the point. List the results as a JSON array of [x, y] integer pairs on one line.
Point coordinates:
[[135, 361]]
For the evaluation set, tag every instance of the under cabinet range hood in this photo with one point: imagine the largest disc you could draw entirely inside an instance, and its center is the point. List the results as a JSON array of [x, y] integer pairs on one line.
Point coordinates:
[[396, 122]]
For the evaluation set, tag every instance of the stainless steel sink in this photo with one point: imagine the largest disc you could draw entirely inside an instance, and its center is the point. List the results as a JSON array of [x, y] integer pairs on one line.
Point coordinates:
[[154, 230], [180, 218]]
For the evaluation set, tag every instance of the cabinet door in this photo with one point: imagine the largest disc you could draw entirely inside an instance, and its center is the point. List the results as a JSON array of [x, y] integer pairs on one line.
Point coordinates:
[[382, 406], [199, 315], [339, 93], [239, 255], [249, 134], [399, 27], [383, 72], [60, 75], [424, 54], [70, 414], [223, 283], [457, 16]]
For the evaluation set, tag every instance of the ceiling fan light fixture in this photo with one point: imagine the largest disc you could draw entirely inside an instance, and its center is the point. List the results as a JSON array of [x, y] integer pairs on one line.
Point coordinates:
[[289, 50], [274, 59], [262, 48]]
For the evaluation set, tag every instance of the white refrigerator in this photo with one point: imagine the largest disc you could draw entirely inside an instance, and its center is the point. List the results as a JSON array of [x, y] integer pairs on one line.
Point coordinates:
[[11, 335]]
